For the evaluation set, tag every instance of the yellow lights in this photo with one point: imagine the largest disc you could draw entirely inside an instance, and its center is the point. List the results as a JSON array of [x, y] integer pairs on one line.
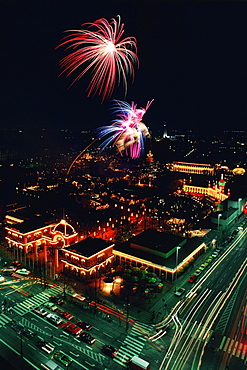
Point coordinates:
[[101, 255], [107, 287]]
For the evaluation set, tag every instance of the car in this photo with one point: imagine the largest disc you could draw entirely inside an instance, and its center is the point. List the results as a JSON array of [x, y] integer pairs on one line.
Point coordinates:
[[2, 279], [9, 269], [72, 328], [56, 300], [215, 254], [66, 315], [197, 272], [202, 268], [23, 272], [78, 296], [209, 260], [46, 347], [192, 278], [87, 338], [62, 358], [40, 311], [16, 264], [84, 325], [180, 292], [51, 306], [54, 319], [109, 350], [20, 329]]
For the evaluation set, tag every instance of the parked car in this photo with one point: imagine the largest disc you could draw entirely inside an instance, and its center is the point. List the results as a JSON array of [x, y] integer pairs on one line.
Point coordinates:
[[16, 264], [2, 278], [66, 315], [62, 358], [40, 311], [23, 272], [84, 325], [180, 292], [9, 269], [54, 319], [192, 278], [20, 329], [87, 338], [51, 306], [197, 272], [109, 350], [46, 347], [56, 300], [215, 254], [72, 328]]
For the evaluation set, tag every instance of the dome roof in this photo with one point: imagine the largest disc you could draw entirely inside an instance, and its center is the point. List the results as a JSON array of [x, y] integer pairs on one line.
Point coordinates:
[[64, 228]]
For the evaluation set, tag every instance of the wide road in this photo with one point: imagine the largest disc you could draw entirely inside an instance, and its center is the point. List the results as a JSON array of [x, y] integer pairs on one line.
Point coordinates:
[[192, 319], [20, 297]]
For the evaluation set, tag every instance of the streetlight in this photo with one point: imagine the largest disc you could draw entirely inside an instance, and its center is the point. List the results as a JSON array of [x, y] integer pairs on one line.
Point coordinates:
[[219, 215], [176, 276], [239, 205]]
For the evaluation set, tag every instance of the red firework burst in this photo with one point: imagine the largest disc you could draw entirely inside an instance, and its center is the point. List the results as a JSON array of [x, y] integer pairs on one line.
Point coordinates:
[[102, 52]]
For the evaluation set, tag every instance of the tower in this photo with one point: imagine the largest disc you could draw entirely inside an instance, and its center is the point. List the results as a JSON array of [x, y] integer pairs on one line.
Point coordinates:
[[164, 130]]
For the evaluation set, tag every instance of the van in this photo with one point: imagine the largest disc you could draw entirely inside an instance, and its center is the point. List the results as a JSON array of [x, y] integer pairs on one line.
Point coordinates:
[[137, 363]]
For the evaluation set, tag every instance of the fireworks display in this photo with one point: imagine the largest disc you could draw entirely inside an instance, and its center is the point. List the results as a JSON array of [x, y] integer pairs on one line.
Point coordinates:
[[127, 133], [100, 50]]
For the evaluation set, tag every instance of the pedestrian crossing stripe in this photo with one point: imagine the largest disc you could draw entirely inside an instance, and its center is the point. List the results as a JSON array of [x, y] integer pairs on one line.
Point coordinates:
[[136, 344], [4, 319], [35, 301], [122, 363], [234, 347], [132, 345], [131, 352]]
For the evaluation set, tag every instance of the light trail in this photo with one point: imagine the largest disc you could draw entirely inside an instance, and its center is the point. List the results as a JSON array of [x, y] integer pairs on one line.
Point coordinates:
[[190, 338]]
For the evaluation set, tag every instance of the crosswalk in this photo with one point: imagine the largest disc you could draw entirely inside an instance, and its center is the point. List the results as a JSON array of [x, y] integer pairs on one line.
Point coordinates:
[[133, 343], [4, 319], [29, 304], [234, 347]]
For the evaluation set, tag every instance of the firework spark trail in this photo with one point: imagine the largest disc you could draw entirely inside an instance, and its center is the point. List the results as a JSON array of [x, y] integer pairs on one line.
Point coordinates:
[[103, 53], [127, 133]]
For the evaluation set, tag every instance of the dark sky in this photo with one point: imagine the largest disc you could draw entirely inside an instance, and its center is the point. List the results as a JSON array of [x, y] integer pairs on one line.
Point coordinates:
[[192, 63]]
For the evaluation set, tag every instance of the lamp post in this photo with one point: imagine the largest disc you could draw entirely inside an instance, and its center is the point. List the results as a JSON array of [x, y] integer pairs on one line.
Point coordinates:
[[239, 205], [219, 215], [176, 276]]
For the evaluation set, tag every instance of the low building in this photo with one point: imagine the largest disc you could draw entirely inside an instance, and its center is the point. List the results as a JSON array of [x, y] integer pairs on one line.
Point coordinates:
[[161, 253], [34, 236], [89, 258]]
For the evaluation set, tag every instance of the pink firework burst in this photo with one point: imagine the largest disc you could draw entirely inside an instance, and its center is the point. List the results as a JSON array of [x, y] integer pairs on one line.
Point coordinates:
[[100, 50], [128, 132]]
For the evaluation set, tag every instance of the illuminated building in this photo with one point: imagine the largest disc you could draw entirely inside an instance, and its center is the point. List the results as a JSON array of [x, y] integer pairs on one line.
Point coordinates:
[[196, 168], [150, 157], [32, 236], [88, 258], [216, 192], [157, 251]]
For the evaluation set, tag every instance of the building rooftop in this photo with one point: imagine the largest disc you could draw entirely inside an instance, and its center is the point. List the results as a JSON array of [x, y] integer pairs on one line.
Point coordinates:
[[29, 225], [149, 255], [90, 246], [155, 240]]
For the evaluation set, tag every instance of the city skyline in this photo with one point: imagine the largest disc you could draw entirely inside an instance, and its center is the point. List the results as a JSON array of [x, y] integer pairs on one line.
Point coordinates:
[[191, 63]]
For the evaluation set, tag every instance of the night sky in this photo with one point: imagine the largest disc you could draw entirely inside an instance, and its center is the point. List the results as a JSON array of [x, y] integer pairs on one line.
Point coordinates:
[[192, 63]]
